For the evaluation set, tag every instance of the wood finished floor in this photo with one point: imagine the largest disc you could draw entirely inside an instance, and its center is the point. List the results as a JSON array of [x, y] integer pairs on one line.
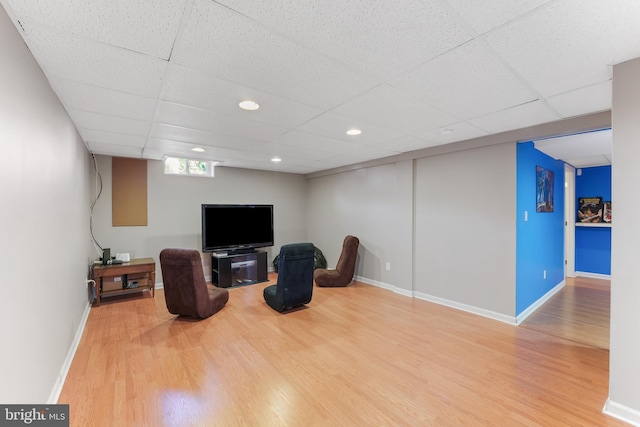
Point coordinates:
[[580, 312], [355, 356]]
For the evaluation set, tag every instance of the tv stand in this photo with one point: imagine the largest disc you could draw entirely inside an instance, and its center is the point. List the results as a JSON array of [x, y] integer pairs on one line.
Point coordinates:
[[237, 269]]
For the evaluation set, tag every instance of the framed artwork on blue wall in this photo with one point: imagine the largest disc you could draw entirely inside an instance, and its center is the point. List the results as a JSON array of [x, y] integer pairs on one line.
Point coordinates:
[[544, 190]]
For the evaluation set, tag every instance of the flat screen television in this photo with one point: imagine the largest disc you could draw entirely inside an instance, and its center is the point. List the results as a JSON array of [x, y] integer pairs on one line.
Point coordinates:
[[236, 228]]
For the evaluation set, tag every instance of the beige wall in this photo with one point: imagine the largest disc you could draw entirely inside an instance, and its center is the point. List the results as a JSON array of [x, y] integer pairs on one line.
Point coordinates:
[[465, 228], [44, 224], [427, 218], [624, 384], [174, 217], [373, 204]]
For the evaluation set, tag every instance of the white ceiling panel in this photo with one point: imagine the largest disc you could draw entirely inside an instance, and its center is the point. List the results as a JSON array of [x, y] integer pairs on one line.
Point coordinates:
[[316, 142], [382, 39], [83, 60], [521, 116], [362, 155], [103, 122], [91, 135], [79, 96], [470, 72], [114, 150], [203, 138], [454, 133], [190, 87], [152, 78], [189, 117], [486, 15], [580, 150], [570, 44], [149, 27], [406, 144], [389, 107], [583, 101], [227, 45], [335, 126]]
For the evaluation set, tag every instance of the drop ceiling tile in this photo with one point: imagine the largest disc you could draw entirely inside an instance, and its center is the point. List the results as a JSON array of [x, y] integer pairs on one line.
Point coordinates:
[[301, 154], [466, 82], [190, 87], [177, 148], [453, 133], [79, 96], [406, 144], [566, 45], [91, 135], [335, 126], [103, 122], [358, 156], [114, 150], [204, 138], [180, 115], [94, 63], [232, 47], [312, 141], [588, 144], [380, 38], [389, 107], [530, 114], [487, 15], [583, 101], [148, 27]]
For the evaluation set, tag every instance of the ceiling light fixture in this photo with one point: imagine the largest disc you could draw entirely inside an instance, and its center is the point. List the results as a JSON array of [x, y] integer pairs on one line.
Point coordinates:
[[198, 149], [249, 105], [276, 159], [354, 132]]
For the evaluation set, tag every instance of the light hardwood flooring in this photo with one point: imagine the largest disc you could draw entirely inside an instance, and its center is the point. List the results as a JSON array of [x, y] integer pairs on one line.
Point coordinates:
[[579, 312], [355, 356]]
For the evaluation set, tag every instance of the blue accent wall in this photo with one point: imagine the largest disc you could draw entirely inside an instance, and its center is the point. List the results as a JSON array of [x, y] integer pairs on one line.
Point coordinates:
[[540, 239], [593, 245]]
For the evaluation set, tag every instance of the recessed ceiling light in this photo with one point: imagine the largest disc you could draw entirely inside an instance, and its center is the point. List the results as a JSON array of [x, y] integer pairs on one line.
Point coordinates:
[[354, 132], [276, 159], [249, 105], [446, 131], [198, 149]]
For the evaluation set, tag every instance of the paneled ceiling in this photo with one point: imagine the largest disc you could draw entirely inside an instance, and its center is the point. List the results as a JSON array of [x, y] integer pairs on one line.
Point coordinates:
[[155, 78]]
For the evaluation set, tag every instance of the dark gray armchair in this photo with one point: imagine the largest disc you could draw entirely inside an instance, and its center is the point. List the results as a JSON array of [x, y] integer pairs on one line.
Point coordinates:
[[295, 278]]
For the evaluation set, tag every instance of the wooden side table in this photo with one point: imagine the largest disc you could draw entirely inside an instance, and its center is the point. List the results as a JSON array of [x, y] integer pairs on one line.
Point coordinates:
[[134, 276]]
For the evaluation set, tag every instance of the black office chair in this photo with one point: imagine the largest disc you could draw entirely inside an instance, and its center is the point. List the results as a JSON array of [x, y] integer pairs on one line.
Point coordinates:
[[295, 278]]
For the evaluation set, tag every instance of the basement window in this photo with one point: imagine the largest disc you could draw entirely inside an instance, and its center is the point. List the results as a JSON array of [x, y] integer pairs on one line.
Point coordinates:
[[179, 166]]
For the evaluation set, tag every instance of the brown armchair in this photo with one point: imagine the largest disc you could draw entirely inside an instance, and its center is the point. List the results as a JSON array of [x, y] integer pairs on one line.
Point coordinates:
[[345, 269], [185, 290]]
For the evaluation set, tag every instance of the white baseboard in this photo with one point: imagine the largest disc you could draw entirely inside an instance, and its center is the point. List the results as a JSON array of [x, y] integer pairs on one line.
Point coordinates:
[[536, 305], [441, 301], [593, 275], [622, 412], [64, 370]]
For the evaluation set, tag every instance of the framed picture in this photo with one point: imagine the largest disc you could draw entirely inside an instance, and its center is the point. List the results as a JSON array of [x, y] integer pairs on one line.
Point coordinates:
[[606, 216], [544, 190], [590, 209]]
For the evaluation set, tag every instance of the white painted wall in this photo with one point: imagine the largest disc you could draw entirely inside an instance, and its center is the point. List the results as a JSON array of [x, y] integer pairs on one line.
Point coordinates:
[[624, 375], [44, 224], [174, 209]]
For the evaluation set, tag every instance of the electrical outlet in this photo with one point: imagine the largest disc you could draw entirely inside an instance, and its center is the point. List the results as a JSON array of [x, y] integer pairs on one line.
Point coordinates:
[[544, 274], [388, 266]]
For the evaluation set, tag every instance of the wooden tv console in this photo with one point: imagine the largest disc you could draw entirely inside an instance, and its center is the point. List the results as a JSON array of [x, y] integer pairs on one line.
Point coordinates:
[[118, 279]]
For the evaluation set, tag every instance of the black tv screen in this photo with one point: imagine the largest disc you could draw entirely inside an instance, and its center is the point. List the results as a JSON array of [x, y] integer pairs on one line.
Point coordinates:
[[236, 228]]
